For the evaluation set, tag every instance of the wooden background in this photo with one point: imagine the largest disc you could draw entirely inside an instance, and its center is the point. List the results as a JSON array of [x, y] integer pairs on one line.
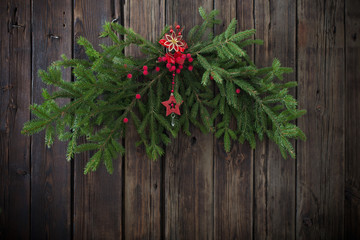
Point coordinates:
[[196, 191]]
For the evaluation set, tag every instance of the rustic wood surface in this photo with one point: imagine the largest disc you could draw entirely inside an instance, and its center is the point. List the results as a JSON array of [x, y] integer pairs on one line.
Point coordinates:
[[196, 191], [142, 202], [233, 172], [352, 137], [274, 183], [189, 159], [93, 219], [321, 159], [15, 96], [50, 174]]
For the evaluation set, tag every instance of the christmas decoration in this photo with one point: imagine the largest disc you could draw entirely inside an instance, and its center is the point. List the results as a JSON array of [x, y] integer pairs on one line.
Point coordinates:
[[210, 80]]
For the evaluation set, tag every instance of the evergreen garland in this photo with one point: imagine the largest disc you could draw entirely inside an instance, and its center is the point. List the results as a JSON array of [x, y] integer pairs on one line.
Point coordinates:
[[223, 84]]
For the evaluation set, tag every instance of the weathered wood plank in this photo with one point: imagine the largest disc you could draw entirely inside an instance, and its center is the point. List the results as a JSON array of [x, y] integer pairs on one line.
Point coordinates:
[[320, 164], [233, 172], [189, 160], [275, 190], [98, 195], [15, 92], [142, 176], [352, 138], [51, 173]]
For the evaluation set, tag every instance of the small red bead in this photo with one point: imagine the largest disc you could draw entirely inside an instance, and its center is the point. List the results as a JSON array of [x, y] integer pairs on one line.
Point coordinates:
[[183, 56], [211, 77], [188, 55], [125, 120], [145, 72], [145, 68], [163, 59], [173, 74], [129, 75], [137, 96], [172, 105], [172, 91], [179, 33], [178, 27], [171, 31], [181, 66], [190, 68], [238, 90], [159, 59], [157, 69], [190, 59], [178, 71], [173, 83], [168, 65], [172, 68]]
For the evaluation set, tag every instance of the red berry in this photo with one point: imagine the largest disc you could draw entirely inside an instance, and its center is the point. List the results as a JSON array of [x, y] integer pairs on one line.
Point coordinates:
[[163, 59], [171, 31], [190, 59], [238, 90], [173, 83], [179, 33], [181, 66], [188, 55], [178, 70], [173, 74], [137, 96], [145, 68], [172, 68], [145, 72], [157, 69], [168, 65], [172, 105], [190, 68], [211, 77], [172, 91], [183, 56], [129, 75], [125, 120], [178, 27], [159, 59]]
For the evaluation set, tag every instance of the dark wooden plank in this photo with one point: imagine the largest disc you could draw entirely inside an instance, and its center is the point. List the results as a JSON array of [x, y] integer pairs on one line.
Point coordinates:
[[142, 176], [15, 90], [189, 160], [352, 138], [98, 195], [274, 212], [51, 173], [233, 172], [320, 164]]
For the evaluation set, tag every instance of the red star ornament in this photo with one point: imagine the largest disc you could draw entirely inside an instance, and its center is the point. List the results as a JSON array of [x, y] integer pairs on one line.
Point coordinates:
[[171, 109]]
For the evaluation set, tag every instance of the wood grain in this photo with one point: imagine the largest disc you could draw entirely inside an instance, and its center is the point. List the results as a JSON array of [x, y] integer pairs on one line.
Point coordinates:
[[274, 213], [189, 160], [15, 92], [142, 176], [51, 173], [196, 191], [352, 137], [233, 172], [320, 168], [98, 195]]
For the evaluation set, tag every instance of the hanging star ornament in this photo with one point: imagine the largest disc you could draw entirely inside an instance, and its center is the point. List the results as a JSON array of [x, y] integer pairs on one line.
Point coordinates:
[[171, 105]]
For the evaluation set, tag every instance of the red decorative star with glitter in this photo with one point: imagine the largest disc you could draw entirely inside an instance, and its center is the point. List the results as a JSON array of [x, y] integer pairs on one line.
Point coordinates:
[[171, 106], [173, 41]]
